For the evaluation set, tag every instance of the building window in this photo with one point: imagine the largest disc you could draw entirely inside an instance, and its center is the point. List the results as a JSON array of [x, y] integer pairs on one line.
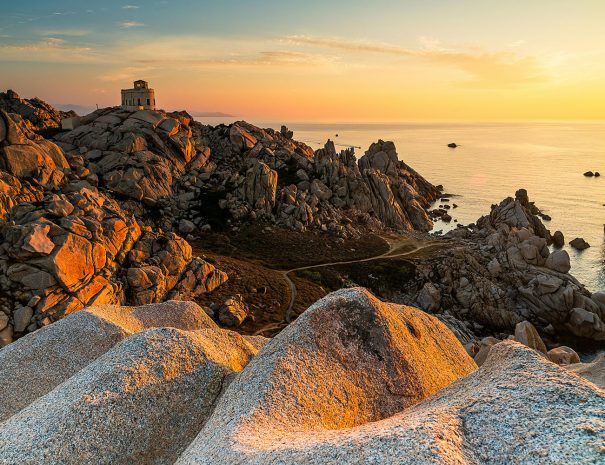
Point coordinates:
[[148, 102], [139, 100]]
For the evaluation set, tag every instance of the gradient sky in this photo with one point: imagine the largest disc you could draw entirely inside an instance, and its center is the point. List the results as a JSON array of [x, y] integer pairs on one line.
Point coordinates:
[[337, 60]]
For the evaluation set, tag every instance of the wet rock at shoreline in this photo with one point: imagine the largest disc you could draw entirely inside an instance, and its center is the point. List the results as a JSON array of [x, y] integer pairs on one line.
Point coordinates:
[[579, 244], [502, 273], [558, 239]]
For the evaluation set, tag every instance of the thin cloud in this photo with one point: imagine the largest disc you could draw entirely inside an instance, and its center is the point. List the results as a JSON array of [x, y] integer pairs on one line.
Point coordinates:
[[130, 24], [196, 52], [65, 32], [51, 49], [130, 7], [124, 74], [484, 68], [347, 45]]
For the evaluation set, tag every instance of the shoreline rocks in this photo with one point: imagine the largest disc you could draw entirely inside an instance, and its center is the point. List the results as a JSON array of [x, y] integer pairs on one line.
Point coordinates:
[[579, 244], [501, 272]]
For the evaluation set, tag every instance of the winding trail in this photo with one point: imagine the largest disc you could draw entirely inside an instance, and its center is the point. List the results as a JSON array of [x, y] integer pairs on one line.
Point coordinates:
[[393, 246]]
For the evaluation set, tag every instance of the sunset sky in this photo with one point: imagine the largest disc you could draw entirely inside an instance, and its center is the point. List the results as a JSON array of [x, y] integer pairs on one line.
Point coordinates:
[[399, 60]]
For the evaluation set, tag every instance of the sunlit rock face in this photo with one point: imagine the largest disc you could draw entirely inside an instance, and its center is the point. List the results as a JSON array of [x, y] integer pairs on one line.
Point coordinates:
[[348, 360], [141, 402], [516, 407], [353, 380], [46, 358], [65, 242], [81, 248], [37, 114]]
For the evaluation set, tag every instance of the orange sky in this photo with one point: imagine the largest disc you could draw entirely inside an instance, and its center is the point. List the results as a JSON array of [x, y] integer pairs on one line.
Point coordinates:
[[346, 61]]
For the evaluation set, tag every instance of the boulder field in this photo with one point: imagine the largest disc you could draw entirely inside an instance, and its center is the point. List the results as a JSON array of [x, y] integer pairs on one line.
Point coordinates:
[[104, 213], [500, 272], [353, 380], [94, 215], [106, 359]]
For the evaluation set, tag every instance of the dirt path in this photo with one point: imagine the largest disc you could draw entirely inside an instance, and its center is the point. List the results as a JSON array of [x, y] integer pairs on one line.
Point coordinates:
[[410, 246]]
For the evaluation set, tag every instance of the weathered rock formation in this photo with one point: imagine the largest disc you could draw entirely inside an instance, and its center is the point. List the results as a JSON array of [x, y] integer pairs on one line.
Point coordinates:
[[90, 217], [501, 273], [351, 380], [38, 115], [516, 390], [189, 171], [64, 244], [142, 401], [42, 360], [277, 178]]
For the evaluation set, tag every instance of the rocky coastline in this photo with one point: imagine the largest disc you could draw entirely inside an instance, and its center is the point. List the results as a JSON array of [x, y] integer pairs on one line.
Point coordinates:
[[118, 236]]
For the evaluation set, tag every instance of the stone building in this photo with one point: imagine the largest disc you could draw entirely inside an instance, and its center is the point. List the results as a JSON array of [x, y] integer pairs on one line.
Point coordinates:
[[141, 97]]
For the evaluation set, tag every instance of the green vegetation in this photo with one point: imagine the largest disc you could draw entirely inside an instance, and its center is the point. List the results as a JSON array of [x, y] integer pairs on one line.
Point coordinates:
[[314, 276]]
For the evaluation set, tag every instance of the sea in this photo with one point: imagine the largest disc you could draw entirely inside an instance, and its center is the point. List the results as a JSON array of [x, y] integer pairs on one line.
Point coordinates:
[[491, 162]]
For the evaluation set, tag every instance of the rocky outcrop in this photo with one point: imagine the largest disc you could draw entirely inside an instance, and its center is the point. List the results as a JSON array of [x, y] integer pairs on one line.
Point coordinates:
[[164, 379], [501, 273], [322, 189], [233, 312], [134, 154], [42, 360], [260, 187], [77, 249], [185, 170], [351, 380], [38, 115], [63, 253], [403, 197], [27, 156]]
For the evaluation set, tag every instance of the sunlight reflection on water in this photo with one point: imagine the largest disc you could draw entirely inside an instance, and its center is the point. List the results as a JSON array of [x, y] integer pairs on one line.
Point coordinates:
[[492, 162]]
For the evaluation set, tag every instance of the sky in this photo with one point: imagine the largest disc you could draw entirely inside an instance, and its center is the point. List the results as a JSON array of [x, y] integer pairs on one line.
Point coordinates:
[[374, 61]]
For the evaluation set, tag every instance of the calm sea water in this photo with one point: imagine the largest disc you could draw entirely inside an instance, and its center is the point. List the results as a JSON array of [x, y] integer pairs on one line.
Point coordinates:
[[491, 163]]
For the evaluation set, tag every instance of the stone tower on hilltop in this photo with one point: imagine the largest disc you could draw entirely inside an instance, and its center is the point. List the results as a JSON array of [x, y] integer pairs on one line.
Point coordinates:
[[141, 97]]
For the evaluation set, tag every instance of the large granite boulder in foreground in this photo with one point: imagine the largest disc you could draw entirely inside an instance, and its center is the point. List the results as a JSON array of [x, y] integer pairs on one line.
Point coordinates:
[[142, 402], [353, 380], [517, 408], [348, 360], [37, 363]]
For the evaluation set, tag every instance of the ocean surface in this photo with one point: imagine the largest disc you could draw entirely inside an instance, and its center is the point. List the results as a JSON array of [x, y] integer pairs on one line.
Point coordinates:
[[492, 161]]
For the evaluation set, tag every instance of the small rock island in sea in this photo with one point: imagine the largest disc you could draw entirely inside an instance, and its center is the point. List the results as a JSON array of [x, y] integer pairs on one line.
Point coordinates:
[[178, 293]]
